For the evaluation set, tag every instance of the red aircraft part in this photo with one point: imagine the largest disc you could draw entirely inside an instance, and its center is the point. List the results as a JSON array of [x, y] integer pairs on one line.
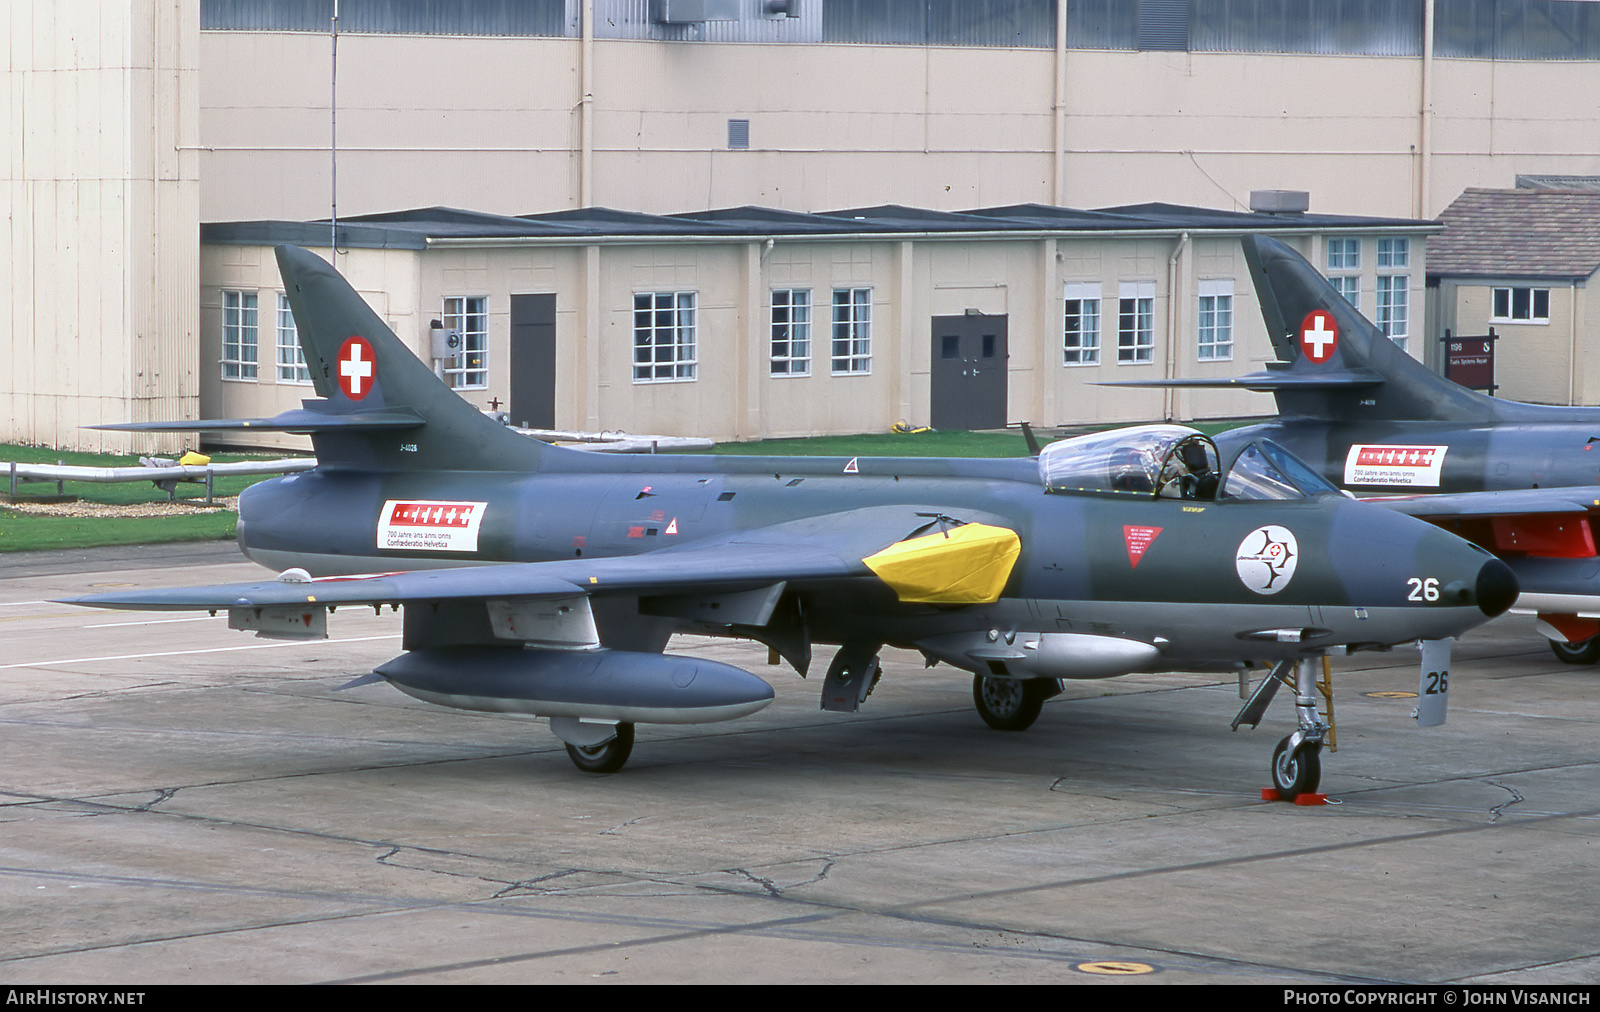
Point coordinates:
[[1545, 536], [1575, 629]]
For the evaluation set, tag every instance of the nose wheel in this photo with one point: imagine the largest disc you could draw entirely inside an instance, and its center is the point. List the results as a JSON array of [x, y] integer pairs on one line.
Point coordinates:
[[1296, 766]]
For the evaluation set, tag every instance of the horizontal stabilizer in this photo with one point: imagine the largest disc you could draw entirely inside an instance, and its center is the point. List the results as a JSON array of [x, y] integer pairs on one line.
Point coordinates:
[[1510, 503], [302, 421], [1268, 382]]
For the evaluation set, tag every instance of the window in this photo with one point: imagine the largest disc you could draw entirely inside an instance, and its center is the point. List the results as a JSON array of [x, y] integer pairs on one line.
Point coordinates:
[[1216, 321], [1521, 305], [1344, 254], [791, 332], [1136, 336], [852, 331], [1394, 253], [291, 359], [469, 317], [1392, 306], [663, 336], [238, 335], [1080, 343], [1349, 286]]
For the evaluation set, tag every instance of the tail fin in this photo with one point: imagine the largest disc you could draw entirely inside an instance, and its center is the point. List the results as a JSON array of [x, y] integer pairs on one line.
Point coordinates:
[[363, 370], [1324, 339]]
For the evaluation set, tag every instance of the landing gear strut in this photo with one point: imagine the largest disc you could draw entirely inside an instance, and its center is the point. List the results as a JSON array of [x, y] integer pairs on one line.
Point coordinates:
[[1011, 704], [1297, 761]]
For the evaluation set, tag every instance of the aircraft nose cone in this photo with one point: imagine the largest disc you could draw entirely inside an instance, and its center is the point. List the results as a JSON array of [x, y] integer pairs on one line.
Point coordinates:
[[1497, 588]]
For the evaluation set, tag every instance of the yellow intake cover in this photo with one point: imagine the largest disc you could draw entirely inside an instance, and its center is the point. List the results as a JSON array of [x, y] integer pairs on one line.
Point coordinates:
[[965, 565]]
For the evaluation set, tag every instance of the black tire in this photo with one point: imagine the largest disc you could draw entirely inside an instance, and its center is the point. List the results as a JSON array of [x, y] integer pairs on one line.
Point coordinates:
[[1009, 704], [1299, 773], [1587, 652], [607, 758]]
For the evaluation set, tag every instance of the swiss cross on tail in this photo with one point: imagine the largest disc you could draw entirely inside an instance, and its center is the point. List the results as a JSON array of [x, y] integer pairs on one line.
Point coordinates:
[[1319, 336], [358, 368]]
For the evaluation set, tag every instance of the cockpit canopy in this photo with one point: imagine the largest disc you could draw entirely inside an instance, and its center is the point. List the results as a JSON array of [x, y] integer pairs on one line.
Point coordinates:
[[1174, 462]]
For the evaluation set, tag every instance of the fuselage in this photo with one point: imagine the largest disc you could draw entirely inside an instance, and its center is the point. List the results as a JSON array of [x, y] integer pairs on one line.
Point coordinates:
[[1188, 576], [1544, 447]]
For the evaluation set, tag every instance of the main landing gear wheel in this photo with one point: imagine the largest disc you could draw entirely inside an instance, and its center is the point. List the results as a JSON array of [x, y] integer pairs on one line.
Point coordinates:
[[1009, 704], [606, 758], [1298, 772], [1587, 652]]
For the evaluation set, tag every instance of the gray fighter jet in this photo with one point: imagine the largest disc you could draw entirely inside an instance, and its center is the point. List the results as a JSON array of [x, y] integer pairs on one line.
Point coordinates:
[[1376, 421], [1138, 550]]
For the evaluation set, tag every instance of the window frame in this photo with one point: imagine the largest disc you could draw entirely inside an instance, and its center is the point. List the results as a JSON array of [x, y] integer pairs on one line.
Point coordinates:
[[1393, 314], [1220, 292], [1089, 338], [241, 335], [464, 375], [1394, 252], [674, 315], [850, 345], [1348, 245], [1131, 350], [291, 358], [792, 334], [1532, 319]]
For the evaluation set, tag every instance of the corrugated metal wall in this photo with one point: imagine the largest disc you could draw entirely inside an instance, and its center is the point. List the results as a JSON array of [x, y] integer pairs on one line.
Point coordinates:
[[401, 17], [1517, 29], [1478, 29], [1364, 27]]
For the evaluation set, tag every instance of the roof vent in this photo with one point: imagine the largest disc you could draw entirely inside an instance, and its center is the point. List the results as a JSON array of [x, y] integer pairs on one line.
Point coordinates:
[[1280, 201]]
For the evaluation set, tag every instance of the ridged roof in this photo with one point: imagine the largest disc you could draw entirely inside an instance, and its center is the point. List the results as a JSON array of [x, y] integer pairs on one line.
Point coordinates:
[[411, 229], [1518, 234]]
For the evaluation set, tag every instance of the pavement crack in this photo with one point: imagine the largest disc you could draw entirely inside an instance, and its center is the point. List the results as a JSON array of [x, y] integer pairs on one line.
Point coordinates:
[[1500, 809], [163, 794], [532, 886], [770, 887], [613, 831]]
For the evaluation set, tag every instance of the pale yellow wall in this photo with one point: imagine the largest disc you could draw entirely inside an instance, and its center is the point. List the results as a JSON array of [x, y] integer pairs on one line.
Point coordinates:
[[389, 281], [734, 394], [494, 124], [1533, 361], [99, 243]]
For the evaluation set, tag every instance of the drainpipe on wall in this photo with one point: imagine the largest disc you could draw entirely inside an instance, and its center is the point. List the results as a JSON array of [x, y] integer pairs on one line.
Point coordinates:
[[1425, 142], [1058, 194], [586, 111], [1170, 397], [1572, 348]]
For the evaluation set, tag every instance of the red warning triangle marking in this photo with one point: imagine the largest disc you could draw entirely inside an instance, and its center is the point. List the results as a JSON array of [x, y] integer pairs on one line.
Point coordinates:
[[1138, 540], [854, 467]]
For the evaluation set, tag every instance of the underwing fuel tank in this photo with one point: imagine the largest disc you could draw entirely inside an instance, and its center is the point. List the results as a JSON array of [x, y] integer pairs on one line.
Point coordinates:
[[611, 685]]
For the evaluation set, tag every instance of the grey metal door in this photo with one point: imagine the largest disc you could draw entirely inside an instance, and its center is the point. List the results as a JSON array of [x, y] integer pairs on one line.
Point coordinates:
[[968, 378], [533, 361]]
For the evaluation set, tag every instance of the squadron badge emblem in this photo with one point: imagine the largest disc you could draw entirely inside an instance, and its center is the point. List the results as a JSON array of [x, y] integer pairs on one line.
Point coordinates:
[[1266, 559]]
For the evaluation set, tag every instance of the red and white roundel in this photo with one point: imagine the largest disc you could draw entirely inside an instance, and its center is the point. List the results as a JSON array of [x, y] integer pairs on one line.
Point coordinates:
[[358, 368], [1319, 336]]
